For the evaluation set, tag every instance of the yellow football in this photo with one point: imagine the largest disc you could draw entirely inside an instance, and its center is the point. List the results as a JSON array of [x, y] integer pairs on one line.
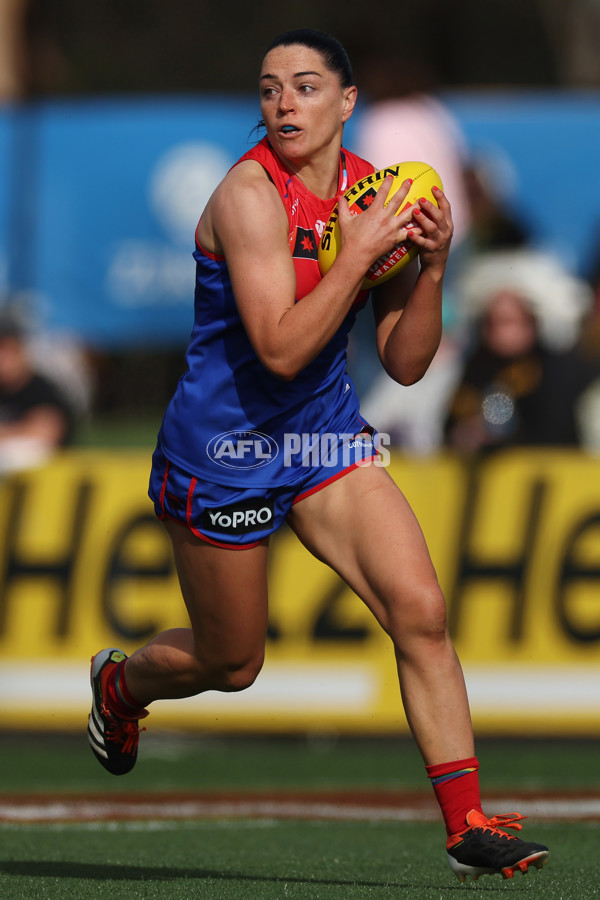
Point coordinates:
[[360, 196]]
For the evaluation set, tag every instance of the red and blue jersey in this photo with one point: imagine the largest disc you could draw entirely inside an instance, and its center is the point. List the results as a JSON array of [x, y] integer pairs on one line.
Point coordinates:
[[226, 392]]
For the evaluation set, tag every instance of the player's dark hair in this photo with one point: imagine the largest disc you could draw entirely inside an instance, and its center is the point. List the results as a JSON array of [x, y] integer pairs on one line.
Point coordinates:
[[333, 53]]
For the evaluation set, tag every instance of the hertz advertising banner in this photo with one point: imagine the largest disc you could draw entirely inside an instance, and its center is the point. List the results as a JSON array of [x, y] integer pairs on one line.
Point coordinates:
[[516, 542]]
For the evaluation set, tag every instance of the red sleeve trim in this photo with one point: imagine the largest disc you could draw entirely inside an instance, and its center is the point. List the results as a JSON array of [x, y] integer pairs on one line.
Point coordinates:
[[216, 256]]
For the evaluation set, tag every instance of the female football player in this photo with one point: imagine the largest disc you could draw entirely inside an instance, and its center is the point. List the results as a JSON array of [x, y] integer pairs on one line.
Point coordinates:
[[266, 364]]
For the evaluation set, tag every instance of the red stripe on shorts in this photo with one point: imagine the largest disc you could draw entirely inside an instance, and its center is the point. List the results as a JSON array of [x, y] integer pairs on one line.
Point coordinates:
[[163, 489], [323, 484], [204, 537]]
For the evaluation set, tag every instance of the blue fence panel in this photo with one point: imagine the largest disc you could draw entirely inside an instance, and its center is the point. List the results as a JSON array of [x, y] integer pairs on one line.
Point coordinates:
[[5, 197], [121, 187], [550, 145]]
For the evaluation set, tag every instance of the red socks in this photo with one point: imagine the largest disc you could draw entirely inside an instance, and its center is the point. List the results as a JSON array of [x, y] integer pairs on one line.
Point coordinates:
[[117, 695], [456, 786]]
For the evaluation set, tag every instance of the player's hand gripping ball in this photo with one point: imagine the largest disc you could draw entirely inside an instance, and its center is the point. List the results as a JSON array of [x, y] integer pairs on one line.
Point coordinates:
[[360, 196]]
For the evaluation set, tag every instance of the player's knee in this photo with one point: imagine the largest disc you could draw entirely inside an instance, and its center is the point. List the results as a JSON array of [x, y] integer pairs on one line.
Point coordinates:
[[434, 613], [233, 675], [239, 679], [423, 616]]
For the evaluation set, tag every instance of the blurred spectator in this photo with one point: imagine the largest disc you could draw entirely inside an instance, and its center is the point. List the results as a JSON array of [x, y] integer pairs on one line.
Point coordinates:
[[488, 182], [36, 417], [405, 119], [523, 371], [588, 408], [412, 417]]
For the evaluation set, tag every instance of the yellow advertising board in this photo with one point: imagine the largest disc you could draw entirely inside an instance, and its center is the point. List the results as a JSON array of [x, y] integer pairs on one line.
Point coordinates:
[[516, 542]]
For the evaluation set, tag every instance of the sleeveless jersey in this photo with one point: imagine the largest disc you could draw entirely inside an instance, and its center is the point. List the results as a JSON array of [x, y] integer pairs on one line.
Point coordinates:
[[230, 420]]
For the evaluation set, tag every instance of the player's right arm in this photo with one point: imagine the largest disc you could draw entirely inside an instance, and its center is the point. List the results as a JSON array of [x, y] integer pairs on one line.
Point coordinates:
[[409, 327], [246, 222]]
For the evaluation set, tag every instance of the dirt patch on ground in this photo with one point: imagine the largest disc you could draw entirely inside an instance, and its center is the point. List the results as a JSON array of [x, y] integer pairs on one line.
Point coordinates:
[[324, 805]]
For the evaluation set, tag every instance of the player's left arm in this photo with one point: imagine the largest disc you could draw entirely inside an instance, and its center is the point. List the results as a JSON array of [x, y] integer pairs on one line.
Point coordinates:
[[408, 307]]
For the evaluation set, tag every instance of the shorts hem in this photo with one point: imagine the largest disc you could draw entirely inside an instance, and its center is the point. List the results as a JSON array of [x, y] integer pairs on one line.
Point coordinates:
[[323, 484], [224, 545]]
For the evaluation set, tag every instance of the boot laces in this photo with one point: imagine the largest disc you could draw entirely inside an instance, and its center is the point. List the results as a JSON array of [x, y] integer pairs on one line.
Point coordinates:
[[125, 731], [497, 824]]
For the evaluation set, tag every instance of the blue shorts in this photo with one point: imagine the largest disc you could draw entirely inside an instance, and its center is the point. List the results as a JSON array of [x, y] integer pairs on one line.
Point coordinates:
[[239, 517]]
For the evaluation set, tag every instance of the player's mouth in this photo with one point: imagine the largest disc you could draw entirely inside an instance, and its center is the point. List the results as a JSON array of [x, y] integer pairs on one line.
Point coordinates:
[[289, 129]]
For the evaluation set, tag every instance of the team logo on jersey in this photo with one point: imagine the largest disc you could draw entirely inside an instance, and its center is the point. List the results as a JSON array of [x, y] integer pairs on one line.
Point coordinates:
[[242, 450], [238, 518], [306, 245]]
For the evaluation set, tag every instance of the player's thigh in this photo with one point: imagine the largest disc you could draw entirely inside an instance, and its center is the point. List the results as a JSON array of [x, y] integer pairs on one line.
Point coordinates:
[[363, 527], [225, 593]]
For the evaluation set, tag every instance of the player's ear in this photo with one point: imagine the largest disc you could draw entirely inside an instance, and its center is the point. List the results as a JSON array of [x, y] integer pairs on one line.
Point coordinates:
[[350, 95]]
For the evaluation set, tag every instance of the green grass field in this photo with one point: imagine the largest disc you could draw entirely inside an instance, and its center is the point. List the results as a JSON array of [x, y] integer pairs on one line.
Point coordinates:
[[231, 857]]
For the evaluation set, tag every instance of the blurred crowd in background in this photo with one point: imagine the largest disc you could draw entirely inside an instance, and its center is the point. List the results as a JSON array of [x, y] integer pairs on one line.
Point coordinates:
[[519, 362]]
